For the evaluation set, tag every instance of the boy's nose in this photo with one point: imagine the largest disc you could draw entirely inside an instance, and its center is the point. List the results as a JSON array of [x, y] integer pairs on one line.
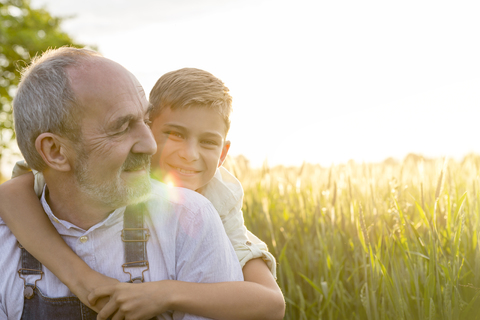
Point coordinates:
[[189, 152]]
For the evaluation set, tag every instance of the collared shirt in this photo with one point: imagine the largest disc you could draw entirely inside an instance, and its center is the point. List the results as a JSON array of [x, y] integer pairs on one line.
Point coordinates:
[[226, 194], [187, 243]]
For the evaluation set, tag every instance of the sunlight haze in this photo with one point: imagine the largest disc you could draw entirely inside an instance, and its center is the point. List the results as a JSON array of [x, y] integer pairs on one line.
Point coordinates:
[[314, 81]]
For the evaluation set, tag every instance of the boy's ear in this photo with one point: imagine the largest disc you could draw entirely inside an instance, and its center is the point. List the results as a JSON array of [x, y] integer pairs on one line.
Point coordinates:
[[226, 147], [52, 149]]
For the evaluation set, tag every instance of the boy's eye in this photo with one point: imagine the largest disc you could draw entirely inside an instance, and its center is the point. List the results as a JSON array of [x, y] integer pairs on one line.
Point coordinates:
[[210, 142], [174, 134]]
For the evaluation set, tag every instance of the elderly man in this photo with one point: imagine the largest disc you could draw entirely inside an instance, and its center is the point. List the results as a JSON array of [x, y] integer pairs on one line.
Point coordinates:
[[81, 120]]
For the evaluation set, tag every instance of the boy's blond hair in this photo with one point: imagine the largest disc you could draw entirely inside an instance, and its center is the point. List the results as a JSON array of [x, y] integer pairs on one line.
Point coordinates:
[[190, 87]]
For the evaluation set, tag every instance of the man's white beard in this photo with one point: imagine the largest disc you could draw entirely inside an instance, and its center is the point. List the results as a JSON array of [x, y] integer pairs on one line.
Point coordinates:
[[113, 193]]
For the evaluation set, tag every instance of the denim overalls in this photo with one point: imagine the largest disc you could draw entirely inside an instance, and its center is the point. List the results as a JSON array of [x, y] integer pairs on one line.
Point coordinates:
[[37, 306]]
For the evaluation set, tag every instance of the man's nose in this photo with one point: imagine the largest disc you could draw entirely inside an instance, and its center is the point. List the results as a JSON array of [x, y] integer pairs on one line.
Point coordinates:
[[145, 141], [189, 151]]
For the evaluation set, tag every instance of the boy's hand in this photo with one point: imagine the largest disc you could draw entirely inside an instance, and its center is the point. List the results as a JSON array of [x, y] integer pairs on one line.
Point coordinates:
[[133, 300], [90, 281]]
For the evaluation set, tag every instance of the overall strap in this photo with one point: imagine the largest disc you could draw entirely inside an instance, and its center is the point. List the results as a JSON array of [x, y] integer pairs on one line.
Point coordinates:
[[135, 237], [30, 266]]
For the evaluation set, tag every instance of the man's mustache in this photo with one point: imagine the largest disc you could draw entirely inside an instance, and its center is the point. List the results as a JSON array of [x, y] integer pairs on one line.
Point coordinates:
[[136, 162]]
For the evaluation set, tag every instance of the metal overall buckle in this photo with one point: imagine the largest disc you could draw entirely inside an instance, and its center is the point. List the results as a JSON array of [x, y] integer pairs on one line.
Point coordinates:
[[29, 290], [136, 280], [146, 235]]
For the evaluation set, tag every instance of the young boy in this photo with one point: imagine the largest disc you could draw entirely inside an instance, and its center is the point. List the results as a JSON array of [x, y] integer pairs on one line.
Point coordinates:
[[190, 121]]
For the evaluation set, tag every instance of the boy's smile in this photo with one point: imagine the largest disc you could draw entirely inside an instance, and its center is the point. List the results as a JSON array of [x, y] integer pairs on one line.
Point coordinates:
[[191, 145]]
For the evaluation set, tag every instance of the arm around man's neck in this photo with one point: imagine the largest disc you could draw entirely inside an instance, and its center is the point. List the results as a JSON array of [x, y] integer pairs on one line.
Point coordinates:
[[23, 213]]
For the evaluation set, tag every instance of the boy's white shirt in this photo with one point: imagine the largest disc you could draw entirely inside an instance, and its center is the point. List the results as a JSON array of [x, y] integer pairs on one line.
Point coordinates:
[[225, 192]]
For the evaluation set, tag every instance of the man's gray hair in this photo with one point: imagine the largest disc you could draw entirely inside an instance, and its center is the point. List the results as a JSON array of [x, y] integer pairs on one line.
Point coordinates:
[[45, 101]]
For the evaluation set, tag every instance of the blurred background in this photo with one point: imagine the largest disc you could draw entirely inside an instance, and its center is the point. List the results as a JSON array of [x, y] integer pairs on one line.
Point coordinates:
[[315, 81]]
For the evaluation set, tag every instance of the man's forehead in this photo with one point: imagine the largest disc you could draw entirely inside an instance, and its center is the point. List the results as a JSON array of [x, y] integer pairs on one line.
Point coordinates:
[[99, 77], [87, 68], [93, 68], [107, 93]]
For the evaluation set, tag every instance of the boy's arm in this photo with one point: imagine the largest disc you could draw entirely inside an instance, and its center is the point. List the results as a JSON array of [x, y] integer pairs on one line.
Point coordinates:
[[226, 194], [259, 249], [21, 210], [206, 259], [258, 297]]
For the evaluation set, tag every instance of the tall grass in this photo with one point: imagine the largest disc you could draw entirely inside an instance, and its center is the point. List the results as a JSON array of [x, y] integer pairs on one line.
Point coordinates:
[[371, 241]]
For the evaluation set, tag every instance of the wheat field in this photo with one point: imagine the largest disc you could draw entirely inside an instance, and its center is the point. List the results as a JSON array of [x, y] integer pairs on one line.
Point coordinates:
[[394, 240]]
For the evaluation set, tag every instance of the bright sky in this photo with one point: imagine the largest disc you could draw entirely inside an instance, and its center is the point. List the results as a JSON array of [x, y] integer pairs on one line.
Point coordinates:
[[320, 81]]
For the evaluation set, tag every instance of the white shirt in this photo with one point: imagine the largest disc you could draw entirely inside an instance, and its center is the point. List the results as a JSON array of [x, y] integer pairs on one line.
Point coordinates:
[[186, 243], [226, 194]]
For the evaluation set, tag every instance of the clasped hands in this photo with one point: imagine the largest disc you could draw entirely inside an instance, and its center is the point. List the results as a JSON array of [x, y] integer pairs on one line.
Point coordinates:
[[117, 300]]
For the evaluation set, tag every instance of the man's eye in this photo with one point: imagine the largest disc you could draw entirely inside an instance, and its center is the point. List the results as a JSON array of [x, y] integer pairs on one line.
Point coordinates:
[[147, 122], [124, 128]]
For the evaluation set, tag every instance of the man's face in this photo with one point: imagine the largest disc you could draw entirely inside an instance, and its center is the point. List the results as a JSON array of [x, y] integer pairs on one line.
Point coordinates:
[[191, 145], [112, 160]]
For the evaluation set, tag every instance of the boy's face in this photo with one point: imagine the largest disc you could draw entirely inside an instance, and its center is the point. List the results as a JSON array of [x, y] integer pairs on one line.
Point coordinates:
[[191, 145]]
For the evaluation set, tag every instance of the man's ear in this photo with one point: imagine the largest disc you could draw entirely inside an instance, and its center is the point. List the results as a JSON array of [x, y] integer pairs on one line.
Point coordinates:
[[52, 149], [226, 147]]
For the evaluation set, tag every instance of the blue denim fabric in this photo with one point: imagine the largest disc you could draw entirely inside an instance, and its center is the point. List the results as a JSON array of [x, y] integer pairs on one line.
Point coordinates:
[[41, 307]]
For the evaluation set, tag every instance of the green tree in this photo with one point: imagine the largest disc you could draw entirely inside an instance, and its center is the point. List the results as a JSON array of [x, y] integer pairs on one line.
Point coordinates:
[[24, 32]]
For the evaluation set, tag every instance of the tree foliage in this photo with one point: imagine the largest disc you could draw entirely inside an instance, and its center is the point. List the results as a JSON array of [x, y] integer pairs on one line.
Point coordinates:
[[24, 32]]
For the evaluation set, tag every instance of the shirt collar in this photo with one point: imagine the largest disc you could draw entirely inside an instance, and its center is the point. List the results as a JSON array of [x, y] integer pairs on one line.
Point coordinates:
[[66, 227]]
